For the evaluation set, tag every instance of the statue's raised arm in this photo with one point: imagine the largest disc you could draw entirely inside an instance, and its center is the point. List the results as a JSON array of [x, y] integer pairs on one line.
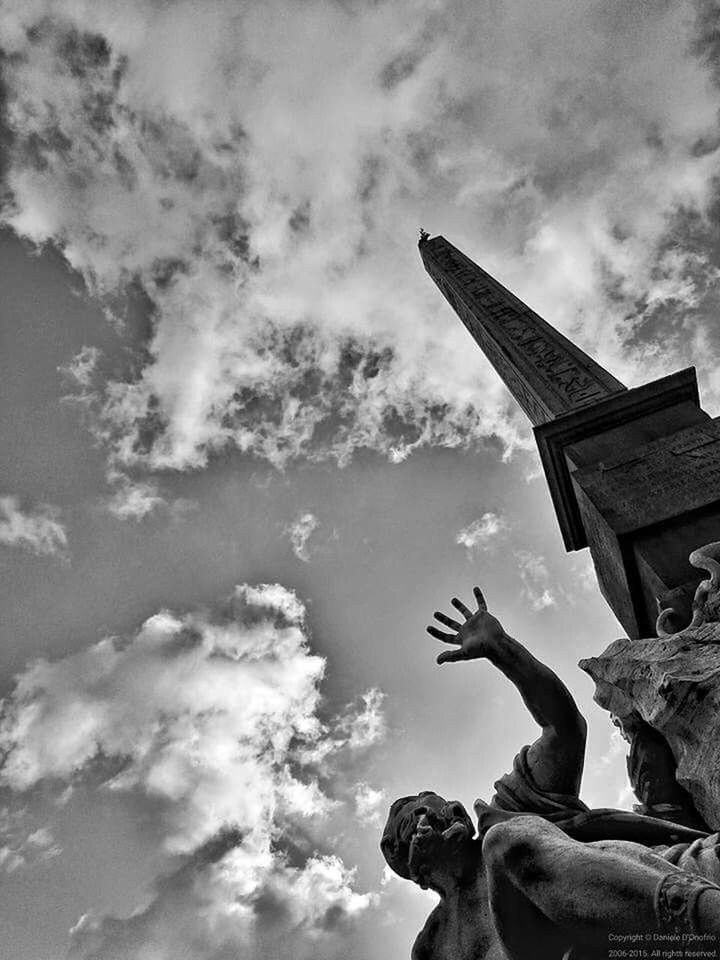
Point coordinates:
[[555, 759]]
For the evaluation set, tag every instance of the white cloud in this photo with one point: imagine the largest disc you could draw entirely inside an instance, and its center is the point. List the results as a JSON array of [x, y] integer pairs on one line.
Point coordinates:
[[206, 910], [82, 369], [626, 798], [275, 599], [370, 804], [535, 579], [268, 214], [10, 860], [616, 751], [212, 723], [545, 599], [583, 572], [299, 532], [22, 847], [605, 779], [133, 500], [365, 726], [480, 534], [38, 529]]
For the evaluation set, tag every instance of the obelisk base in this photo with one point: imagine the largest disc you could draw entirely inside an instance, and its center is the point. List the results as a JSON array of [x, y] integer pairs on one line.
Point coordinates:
[[636, 477]]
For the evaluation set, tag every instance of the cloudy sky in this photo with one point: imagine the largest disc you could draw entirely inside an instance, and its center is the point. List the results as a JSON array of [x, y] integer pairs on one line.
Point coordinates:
[[248, 448]]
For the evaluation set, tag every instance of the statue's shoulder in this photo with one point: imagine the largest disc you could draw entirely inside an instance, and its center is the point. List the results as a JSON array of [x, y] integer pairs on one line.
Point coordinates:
[[425, 946]]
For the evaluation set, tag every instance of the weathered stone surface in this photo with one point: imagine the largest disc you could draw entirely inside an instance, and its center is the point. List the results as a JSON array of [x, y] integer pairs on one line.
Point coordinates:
[[673, 683], [624, 421], [659, 480]]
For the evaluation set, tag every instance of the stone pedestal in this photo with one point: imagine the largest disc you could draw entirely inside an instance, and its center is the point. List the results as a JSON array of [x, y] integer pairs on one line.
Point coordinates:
[[635, 478]]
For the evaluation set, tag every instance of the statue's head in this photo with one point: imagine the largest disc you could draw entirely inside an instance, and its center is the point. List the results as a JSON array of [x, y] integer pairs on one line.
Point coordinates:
[[629, 724], [424, 834]]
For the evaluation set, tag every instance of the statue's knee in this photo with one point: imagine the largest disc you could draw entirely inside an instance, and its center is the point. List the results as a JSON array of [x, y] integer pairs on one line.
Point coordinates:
[[517, 847], [507, 840]]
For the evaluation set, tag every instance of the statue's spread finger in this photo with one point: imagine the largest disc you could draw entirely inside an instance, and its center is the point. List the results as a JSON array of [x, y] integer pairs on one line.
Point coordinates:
[[480, 598], [459, 605], [450, 656], [445, 637], [448, 621]]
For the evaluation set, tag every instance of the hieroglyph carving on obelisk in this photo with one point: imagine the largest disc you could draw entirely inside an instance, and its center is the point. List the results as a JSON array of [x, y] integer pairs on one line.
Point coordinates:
[[546, 373]]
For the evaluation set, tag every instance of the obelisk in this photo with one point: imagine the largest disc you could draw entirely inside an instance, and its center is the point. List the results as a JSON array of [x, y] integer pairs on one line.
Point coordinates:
[[633, 474]]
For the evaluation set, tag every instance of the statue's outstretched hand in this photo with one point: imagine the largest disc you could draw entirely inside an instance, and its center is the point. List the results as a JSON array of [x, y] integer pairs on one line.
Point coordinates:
[[475, 638]]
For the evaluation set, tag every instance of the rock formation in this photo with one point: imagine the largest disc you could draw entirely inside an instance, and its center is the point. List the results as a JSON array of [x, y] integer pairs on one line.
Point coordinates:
[[672, 682]]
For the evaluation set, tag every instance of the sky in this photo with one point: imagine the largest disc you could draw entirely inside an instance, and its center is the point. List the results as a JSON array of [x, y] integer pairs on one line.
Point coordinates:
[[249, 449]]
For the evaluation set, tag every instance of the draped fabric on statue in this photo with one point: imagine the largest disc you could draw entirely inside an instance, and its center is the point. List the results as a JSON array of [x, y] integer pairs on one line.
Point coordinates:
[[517, 793]]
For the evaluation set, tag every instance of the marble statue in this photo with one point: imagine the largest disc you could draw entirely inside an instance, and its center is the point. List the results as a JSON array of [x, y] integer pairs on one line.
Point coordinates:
[[544, 877], [652, 772]]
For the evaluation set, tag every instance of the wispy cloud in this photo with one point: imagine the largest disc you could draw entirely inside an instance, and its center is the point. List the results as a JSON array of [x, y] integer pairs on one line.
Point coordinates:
[[583, 576], [365, 725], [299, 532], [134, 500], [22, 847], [481, 533], [38, 529], [370, 803], [268, 214], [535, 579], [82, 368], [230, 783], [606, 780]]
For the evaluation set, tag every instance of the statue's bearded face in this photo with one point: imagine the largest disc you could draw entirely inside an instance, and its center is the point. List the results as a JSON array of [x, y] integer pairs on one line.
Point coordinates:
[[628, 725], [422, 832]]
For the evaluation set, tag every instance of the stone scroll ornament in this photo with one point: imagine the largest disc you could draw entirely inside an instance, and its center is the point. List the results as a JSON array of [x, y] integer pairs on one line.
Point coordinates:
[[706, 603]]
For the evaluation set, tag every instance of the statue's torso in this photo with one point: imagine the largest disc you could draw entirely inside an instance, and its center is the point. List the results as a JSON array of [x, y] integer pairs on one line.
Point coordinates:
[[460, 929]]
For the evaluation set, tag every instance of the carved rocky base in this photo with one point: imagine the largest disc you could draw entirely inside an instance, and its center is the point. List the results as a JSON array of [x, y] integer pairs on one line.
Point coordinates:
[[673, 683], [665, 695]]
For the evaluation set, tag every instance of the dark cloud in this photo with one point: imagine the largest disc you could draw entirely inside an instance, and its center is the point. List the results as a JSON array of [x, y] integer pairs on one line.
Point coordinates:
[[686, 268], [310, 397], [83, 53], [166, 269], [706, 42], [398, 69], [299, 221]]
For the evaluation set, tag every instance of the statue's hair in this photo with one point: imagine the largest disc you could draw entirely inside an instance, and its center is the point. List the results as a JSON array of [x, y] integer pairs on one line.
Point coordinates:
[[393, 848]]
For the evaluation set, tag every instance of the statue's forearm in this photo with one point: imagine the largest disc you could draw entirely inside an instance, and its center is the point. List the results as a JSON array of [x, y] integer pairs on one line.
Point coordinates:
[[544, 694]]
